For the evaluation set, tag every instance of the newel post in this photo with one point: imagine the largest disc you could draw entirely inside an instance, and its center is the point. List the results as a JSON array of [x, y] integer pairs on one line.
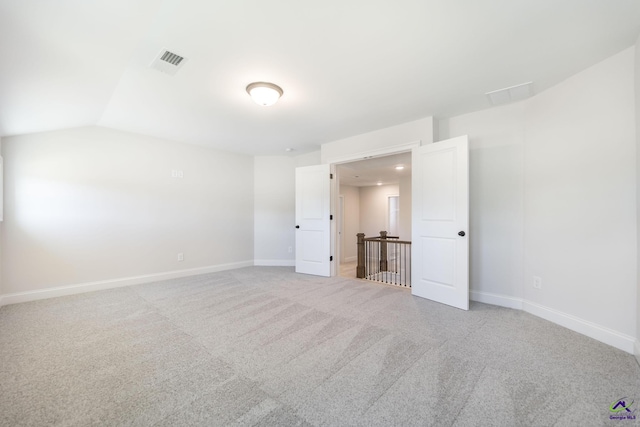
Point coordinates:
[[360, 266], [383, 251]]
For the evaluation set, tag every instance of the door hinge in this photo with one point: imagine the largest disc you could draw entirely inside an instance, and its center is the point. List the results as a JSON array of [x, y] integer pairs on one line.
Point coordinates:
[[330, 217], [330, 176], [331, 258]]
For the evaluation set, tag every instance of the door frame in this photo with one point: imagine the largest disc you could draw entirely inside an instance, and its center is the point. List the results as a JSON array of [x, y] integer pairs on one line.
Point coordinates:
[[340, 226], [335, 184]]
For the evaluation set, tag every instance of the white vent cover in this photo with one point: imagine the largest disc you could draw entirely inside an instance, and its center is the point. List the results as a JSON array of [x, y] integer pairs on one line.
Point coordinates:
[[510, 94], [168, 62]]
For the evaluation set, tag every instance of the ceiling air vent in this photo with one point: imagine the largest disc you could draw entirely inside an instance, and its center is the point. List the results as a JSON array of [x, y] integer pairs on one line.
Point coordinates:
[[168, 62], [510, 94]]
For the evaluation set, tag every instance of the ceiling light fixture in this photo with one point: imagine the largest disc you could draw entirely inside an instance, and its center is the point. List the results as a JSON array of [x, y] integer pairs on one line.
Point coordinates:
[[379, 183], [264, 93], [399, 168]]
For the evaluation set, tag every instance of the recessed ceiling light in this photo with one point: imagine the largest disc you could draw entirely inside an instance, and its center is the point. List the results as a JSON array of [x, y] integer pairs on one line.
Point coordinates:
[[379, 183], [399, 167], [264, 93]]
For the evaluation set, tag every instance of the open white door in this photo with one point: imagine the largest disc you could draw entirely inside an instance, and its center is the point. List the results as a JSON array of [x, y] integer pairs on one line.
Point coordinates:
[[440, 241], [313, 225]]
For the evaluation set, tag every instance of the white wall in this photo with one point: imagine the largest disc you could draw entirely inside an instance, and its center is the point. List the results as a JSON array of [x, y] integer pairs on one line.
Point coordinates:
[[404, 189], [274, 207], [99, 206], [496, 140], [553, 184], [406, 133], [1, 225], [637, 96], [580, 188], [274, 210], [351, 225], [374, 208], [308, 159]]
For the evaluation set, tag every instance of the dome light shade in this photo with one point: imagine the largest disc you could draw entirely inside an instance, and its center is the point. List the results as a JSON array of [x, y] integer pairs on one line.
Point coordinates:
[[264, 93]]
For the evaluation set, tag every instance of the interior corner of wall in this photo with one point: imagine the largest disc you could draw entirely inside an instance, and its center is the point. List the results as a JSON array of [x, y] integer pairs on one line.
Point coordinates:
[[441, 130], [308, 159], [432, 134], [436, 129]]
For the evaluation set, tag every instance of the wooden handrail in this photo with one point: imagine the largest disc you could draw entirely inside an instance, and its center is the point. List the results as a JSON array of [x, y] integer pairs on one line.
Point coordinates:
[[377, 239], [374, 262], [382, 238]]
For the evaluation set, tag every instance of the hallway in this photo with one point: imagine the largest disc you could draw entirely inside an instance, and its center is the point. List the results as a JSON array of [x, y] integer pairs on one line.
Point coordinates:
[[348, 269]]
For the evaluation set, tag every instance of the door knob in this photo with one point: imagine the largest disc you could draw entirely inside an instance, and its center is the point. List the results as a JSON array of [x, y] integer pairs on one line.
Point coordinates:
[[297, 226], [461, 233]]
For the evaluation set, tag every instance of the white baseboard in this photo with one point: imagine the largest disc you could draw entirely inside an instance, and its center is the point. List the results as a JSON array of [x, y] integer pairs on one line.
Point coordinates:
[[275, 262], [584, 327], [590, 329], [59, 291], [495, 299], [351, 259]]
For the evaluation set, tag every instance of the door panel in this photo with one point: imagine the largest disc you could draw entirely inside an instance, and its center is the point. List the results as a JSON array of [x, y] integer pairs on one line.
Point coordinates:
[[438, 180], [313, 234], [440, 259]]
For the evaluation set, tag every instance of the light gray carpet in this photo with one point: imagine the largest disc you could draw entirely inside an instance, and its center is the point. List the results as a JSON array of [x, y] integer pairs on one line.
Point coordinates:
[[265, 346]]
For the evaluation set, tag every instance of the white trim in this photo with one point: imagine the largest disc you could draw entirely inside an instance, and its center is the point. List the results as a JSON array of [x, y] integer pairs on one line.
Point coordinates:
[[351, 259], [495, 299], [1, 194], [334, 190], [339, 224], [378, 152], [601, 333], [275, 262], [584, 327], [59, 291]]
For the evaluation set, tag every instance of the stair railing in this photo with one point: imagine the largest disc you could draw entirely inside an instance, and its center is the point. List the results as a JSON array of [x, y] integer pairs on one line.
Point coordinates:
[[384, 259]]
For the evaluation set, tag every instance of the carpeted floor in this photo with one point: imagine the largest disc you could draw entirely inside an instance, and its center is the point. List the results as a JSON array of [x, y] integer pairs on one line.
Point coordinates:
[[265, 346]]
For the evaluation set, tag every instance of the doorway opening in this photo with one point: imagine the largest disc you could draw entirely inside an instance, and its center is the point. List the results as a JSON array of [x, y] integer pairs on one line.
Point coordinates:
[[374, 195], [440, 211]]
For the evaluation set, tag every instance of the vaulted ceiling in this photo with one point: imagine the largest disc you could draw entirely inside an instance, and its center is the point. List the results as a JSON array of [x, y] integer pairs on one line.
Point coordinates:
[[346, 67]]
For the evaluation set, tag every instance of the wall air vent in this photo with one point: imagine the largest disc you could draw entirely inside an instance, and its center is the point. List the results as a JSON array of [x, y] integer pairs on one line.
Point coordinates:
[[168, 62], [510, 94]]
